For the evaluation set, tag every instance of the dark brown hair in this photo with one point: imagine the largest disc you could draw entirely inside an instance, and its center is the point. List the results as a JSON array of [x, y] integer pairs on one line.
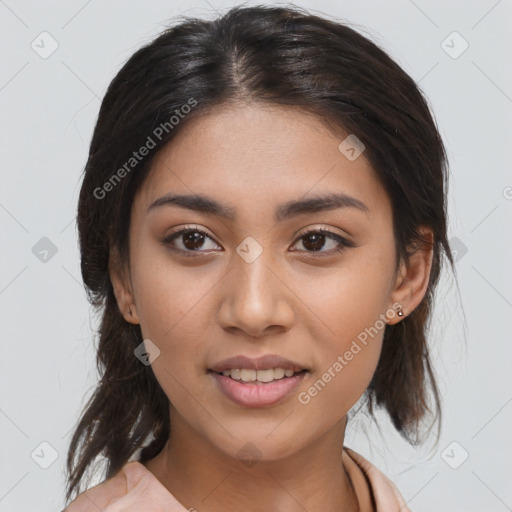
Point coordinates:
[[272, 55]]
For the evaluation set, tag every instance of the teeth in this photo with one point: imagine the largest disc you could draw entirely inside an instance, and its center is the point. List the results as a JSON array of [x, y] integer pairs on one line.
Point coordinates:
[[260, 375], [279, 373], [248, 375]]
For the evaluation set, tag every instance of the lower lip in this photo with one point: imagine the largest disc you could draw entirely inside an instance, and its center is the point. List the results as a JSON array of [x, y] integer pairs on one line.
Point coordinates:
[[252, 394]]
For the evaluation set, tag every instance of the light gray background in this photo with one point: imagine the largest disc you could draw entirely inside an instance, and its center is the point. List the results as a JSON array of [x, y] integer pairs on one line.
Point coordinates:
[[48, 110]]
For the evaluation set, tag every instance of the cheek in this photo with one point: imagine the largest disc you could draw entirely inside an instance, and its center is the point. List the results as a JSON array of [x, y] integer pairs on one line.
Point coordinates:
[[173, 313], [342, 379], [348, 300], [172, 317], [351, 304], [169, 297]]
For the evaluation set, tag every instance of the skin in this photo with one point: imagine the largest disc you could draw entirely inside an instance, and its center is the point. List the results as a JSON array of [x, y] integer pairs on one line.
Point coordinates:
[[297, 303]]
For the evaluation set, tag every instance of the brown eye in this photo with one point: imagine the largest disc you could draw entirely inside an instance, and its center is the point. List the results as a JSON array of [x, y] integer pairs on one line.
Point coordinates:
[[315, 240], [193, 240], [190, 240]]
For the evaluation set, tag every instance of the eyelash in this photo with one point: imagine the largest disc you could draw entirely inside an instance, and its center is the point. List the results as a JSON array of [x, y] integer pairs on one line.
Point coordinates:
[[344, 243]]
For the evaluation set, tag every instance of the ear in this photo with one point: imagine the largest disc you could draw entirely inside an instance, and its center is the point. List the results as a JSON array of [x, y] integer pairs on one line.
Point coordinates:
[[121, 282], [413, 277]]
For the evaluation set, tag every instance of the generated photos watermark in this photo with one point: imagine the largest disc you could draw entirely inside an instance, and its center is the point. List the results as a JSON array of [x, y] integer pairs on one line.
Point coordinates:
[[341, 361], [137, 156]]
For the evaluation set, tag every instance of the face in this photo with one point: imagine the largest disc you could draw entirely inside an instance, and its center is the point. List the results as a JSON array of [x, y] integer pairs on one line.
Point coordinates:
[[255, 284]]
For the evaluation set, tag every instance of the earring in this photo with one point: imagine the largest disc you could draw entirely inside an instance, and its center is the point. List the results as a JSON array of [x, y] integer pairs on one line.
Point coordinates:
[[400, 313]]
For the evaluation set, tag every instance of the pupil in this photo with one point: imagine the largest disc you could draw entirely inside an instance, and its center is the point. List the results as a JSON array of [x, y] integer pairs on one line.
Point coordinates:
[[196, 239], [317, 237]]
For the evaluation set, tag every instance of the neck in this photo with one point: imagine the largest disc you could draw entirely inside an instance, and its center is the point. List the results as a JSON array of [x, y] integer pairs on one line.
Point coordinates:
[[202, 477]]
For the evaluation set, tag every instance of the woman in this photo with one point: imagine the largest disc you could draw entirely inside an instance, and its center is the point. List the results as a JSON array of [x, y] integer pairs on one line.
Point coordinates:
[[262, 222]]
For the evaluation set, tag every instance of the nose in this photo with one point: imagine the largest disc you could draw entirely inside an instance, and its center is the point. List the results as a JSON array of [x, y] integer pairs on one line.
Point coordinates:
[[255, 298]]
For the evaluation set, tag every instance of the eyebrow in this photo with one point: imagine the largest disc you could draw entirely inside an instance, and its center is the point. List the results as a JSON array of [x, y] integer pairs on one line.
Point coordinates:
[[287, 210]]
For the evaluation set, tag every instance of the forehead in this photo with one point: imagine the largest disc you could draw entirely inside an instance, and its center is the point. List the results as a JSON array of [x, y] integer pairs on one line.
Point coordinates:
[[249, 155]]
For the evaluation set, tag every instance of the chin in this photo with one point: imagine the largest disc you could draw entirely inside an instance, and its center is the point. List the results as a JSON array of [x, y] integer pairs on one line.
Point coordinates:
[[256, 446]]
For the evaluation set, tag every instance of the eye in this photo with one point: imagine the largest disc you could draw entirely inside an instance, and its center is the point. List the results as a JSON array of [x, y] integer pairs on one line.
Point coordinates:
[[191, 239], [314, 240]]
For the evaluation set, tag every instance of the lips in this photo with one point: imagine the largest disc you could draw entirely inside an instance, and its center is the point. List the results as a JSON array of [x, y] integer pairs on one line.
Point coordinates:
[[233, 377], [265, 362], [257, 394]]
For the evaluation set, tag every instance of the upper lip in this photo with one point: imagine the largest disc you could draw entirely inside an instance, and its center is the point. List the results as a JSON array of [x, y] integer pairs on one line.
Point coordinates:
[[261, 363]]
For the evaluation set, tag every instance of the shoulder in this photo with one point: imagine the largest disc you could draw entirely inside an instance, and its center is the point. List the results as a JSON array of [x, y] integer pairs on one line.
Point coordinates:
[[386, 495], [133, 489], [109, 491]]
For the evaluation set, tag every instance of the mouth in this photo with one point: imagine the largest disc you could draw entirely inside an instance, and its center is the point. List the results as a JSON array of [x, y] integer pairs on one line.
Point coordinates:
[[251, 388], [257, 382], [258, 377]]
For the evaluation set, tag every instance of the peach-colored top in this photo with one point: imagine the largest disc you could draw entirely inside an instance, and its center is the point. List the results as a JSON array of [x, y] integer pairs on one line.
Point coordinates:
[[136, 489]]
